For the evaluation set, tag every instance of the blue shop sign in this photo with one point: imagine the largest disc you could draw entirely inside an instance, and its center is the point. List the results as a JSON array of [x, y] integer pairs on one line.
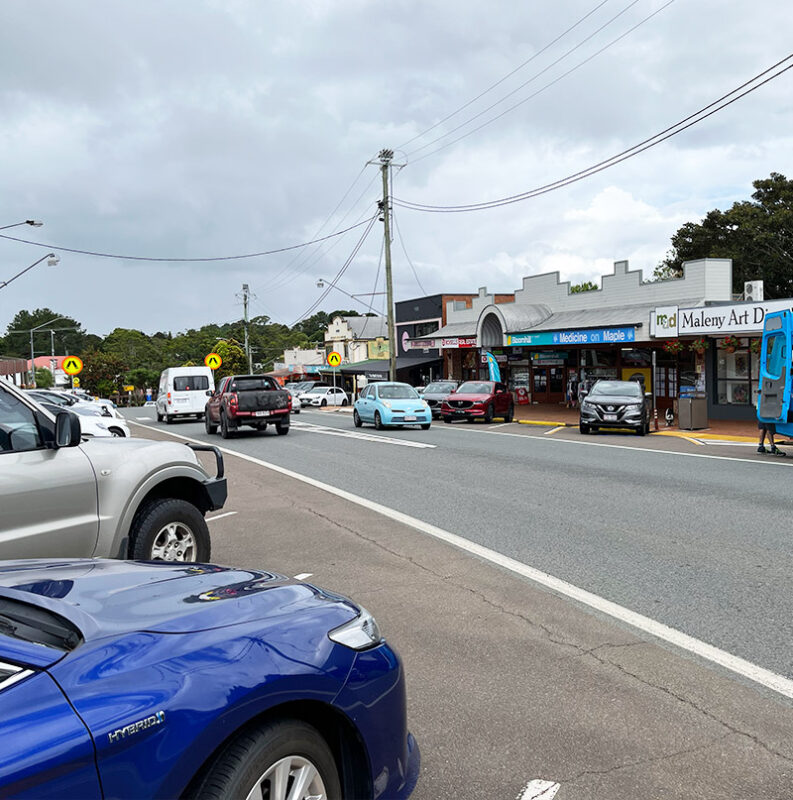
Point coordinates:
[[596, 336]]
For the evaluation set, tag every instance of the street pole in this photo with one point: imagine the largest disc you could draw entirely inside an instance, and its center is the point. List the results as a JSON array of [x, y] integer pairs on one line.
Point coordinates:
[[245, 296], [386, 156], [32, 363]]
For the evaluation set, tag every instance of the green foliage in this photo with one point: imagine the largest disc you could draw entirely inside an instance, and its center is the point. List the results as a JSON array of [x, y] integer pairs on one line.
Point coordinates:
[[44, 379], [102, 373], [142, 378], [69, 336], [586, 286], [234, 360], [757, 235]]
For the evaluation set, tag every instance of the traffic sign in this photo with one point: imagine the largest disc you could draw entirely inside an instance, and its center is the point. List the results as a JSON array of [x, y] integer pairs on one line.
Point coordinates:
[[76, 383], [213, 360], [334, 359], [72, 365], [129, 388]]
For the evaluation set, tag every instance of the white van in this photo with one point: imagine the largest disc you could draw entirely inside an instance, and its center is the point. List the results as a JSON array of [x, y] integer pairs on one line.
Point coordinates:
[[183, 392]]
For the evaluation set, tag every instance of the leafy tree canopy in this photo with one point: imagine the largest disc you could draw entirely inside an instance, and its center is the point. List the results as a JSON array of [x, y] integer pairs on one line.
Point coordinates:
[[586, 286], [756, 234], [68, 336]]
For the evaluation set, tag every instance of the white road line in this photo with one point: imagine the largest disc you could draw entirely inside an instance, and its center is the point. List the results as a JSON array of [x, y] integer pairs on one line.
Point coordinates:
[[220, 516], [780, 462], [310, 427], [500, 425], [553, 430], [693, 441], [303, 575], [539, 790], [739, 666], [144, 418]]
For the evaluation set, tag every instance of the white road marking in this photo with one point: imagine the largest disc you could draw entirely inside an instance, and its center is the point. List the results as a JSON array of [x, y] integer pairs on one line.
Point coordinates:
[[303, 575], [220, 516], [539, 790], [693, 441], [553, 430], [739, 666], [144, 418], [310, 427], [499, 425]]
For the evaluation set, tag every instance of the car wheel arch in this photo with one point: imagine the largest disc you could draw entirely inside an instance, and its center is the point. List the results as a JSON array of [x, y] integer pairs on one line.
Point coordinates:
[[349, 750]]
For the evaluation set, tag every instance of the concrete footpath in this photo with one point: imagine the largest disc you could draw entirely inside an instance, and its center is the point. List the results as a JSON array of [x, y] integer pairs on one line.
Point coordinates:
[[509, 683]]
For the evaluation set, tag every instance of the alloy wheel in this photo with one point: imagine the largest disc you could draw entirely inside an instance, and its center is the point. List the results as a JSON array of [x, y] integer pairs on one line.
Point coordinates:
[[174, 542], [290, 778]]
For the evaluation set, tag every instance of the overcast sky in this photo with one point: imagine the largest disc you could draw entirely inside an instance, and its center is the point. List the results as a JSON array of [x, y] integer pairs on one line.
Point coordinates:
[[201, 128]]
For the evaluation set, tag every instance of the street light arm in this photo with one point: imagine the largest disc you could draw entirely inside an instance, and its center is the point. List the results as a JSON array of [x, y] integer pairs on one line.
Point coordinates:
[[321, 282], [34, 222], [3, 284]]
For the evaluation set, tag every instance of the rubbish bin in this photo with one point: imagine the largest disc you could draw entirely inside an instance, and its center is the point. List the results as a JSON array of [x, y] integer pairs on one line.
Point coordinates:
[[692, 413]]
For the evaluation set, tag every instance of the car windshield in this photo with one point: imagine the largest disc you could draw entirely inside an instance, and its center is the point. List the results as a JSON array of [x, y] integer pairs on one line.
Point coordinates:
[[476, 387], [617, 388], [397, 393], [439, 388]]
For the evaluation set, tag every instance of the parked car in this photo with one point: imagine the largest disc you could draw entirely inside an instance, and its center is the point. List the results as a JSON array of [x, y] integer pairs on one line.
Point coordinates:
[[384, 404], [128, 498], [296, 388], [136, 680], [478, 400], [324, 396], [253, 401], [183, 392], [71, 401], [92, 421], [615, 404], [435, 393]]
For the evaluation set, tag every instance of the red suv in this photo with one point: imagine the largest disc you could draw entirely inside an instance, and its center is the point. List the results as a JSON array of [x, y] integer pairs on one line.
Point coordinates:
[[478, 400]]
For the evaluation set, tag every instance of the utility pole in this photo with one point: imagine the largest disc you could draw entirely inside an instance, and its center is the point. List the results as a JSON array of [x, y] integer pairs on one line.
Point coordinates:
[[386, 156], [245, 297]]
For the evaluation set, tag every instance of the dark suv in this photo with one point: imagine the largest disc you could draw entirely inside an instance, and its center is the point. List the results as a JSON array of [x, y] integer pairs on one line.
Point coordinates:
[[615, 404], [435, 393]]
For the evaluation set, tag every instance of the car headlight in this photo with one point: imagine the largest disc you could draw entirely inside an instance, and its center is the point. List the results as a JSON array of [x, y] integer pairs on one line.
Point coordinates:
[[386, 404], [634, 407], [358, 633]]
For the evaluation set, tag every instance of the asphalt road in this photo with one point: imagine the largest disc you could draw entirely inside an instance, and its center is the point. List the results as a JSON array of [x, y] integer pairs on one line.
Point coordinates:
[[508, 683], [694, 537]]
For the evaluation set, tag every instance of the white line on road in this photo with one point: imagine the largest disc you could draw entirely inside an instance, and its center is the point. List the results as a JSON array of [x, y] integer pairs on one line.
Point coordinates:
[[539, 790], [553, 430], [145, 419], [310, 427], [739, 666], [303, 575], [220, 516]]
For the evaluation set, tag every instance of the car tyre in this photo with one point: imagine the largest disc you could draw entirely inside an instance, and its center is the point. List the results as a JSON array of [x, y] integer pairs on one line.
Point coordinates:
[[324, 402], [344, 402], [489, 414], [356, 418], [640, 431], [425, 426], [378, 421], [225, 430], [583, 428], [169, 419], [169, 529], [209, 427], [159, 417], [251, 758], [510, 415], [117, 432], [447, 420], [281, 429]]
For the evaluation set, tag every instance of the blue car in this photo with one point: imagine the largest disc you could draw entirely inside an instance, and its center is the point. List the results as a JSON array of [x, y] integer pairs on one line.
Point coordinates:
[[122, 679], [384, 404]]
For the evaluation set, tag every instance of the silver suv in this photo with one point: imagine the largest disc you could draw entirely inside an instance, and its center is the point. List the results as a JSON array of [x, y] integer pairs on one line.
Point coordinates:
[[118, 498]]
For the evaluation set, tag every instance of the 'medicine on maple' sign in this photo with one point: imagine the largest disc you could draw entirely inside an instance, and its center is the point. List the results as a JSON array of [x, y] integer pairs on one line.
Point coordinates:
[[334, 359], [213, 360], [72, 365]]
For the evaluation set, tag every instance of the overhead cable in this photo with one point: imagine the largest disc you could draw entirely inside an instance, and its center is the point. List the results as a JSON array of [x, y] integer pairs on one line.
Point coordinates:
[[652, 141]]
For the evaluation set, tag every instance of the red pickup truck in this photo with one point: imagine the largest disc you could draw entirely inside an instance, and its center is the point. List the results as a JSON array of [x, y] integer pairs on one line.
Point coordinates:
[[255, 401], [478, 400]]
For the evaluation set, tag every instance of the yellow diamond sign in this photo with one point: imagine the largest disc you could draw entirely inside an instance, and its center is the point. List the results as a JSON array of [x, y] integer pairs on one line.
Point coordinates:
[[72, 365]]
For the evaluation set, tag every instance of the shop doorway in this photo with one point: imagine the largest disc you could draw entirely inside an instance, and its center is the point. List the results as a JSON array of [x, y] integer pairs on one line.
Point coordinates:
[[548, 384]]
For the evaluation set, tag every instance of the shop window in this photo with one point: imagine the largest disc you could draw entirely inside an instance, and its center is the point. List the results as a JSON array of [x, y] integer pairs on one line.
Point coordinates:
[[518, 378], [599, 358], [425, 329], [737, 375]]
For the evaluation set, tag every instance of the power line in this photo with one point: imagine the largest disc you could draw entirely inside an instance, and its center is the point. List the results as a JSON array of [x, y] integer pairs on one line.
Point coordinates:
[[652, 141], [341, 271], [540, 90], [402, 243], [183, 260], [506, 77]]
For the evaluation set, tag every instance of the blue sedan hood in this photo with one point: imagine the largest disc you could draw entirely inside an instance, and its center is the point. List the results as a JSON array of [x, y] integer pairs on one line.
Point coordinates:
[[105, 597]]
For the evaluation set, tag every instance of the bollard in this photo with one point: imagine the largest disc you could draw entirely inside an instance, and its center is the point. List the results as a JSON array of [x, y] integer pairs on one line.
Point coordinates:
[[655, 417]]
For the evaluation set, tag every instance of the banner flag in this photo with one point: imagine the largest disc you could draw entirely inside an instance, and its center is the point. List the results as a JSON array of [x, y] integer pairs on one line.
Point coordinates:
[[492, 367]]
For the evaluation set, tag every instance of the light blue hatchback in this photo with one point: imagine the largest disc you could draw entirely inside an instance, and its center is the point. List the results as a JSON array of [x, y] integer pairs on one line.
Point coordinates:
[[386, 404]]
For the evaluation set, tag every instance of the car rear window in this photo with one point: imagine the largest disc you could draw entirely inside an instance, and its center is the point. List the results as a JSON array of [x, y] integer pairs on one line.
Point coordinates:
[[251, 384], [191, 383]]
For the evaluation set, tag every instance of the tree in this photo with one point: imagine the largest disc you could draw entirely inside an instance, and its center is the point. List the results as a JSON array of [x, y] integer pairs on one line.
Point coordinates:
[[136, 349], [44, 379], [234, 360], [757, 235], [68, 336], [102, 373], [586, 286]]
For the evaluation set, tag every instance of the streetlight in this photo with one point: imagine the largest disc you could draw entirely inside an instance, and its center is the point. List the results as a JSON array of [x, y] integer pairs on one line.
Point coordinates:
[[32, 355], [322, 281], [34, 222], [52, 260]]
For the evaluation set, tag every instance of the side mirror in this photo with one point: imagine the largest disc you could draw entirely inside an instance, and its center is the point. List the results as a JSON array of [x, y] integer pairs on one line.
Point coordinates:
[[67, 429], [209, 393]]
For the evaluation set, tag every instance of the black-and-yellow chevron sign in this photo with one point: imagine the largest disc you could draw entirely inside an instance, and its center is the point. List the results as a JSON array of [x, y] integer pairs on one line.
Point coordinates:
[[213, 360], [72, 365]]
